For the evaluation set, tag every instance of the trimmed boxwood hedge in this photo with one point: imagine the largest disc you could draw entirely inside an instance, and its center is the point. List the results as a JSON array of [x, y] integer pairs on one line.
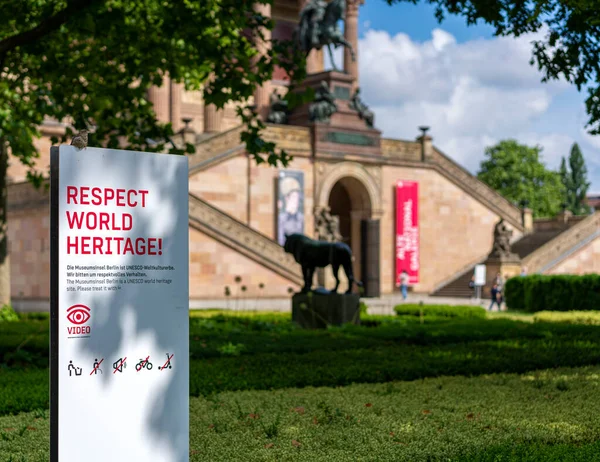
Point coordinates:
[[553, 293], [443, 311]]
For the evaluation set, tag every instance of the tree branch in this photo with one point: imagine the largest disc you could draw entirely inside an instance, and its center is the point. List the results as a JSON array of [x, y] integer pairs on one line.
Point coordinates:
[[47, 26]]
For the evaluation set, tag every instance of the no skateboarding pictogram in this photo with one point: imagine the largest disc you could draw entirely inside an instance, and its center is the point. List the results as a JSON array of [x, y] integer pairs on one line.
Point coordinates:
[[167, 365], [144, 363]]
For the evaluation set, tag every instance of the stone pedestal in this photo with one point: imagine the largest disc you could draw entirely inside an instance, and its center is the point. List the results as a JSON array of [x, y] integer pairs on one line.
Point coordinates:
[[317, 310], [345, 133], [507, 266]]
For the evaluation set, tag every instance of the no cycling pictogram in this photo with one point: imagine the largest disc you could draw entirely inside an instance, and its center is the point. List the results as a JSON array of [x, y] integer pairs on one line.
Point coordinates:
[[144, 363]]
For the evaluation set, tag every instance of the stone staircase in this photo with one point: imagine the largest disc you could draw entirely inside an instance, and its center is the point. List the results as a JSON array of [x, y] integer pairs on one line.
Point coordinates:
[[565, 244], [457, 286], [476, 188], [539, 252], [531, 242], [236, 235]]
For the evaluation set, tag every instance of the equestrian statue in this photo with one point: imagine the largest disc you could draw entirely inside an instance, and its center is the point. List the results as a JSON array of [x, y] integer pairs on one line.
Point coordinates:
[[318, 27]]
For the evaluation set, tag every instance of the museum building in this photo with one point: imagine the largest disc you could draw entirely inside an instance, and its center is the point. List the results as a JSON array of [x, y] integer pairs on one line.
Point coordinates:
[[399, 204]]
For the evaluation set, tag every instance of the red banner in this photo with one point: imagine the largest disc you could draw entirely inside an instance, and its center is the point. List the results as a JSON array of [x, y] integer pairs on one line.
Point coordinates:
[[407, 231]]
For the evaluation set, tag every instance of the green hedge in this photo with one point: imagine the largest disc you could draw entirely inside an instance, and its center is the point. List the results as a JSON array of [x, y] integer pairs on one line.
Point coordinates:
[[443, 311], [553, 293], [7, 314], [591, 318]]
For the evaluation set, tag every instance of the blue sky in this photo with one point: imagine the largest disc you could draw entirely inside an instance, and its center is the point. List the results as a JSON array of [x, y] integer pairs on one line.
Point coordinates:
[[472, 88]]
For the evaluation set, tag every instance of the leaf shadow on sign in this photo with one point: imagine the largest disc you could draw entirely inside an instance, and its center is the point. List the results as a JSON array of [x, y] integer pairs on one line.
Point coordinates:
[[118, 316]]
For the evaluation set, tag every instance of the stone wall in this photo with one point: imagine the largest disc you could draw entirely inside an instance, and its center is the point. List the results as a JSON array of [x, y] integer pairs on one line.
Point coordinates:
[[455, 229], [584, 261], [17, 172], [29, 250], [214, 266], [225, 186]]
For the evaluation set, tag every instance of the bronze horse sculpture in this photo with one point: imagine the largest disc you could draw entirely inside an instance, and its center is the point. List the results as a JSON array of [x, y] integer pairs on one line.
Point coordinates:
[[312, 254], [318, 27]]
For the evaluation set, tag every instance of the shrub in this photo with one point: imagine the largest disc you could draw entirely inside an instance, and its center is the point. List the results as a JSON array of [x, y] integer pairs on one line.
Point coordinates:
[[569, 317], [514, 293], [553, 293], [7, 314], [444, 311], [363, 308]]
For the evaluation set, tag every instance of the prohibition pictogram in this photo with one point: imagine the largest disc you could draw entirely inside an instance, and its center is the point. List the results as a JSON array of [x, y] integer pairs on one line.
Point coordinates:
[[119, 364], [97, 367], [167, 365], [144, 363]]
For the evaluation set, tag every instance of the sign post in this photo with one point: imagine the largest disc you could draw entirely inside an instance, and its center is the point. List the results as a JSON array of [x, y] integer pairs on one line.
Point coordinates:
[[119, 353], [407, 231], [479, 280]]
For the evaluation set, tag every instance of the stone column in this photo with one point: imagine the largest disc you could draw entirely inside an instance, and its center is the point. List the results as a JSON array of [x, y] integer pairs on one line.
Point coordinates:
[[262, 93], [426, 145], [351, 36], [159, 97], [212, 119], [175, 116], [527, 219], [356, 217]]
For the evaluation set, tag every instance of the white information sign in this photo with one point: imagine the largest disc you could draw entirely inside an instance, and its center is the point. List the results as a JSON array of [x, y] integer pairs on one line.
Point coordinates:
[[480, 275], [119, 306]]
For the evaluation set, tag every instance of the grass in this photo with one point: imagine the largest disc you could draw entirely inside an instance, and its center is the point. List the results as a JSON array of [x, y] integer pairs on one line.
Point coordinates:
[[401, 387], [547, 415], [265, 351]]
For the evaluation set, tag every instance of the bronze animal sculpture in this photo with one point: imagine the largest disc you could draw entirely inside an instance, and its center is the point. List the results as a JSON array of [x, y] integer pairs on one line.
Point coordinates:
[[312, 254], [318, 27]]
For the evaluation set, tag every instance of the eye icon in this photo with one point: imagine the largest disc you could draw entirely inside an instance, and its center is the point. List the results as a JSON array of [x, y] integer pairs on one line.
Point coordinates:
[[78, 314]]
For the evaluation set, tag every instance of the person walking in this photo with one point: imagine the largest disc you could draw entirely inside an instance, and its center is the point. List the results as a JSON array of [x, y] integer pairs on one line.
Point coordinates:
[[404, 284], [472, 286], [500, 290], [495, 297]]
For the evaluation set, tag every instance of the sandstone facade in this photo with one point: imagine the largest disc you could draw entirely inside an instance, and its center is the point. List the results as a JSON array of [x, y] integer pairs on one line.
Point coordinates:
[[346, 166]]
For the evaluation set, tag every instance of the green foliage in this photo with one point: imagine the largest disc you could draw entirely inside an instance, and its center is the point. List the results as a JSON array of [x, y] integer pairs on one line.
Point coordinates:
[[569, 317], [575, 182], [252, 352], [553, 293], [444, 311], [92, 62], [514, 292], [517, 172], [567, 48], [7, 314], [549, 415]]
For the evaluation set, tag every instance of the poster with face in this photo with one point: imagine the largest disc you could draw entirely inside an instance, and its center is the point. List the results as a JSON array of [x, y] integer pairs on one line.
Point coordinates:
[[290, 204]]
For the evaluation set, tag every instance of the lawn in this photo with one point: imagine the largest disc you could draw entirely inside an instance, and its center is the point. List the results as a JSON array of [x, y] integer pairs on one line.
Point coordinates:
[[396, 388]]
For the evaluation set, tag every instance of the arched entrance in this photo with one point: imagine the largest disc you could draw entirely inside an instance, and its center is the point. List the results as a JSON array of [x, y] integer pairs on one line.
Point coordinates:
[[349, 200], [354, 195], [349, 195]]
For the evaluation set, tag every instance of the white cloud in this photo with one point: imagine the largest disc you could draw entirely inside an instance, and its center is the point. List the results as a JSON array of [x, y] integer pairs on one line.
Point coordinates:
[[471, 94]]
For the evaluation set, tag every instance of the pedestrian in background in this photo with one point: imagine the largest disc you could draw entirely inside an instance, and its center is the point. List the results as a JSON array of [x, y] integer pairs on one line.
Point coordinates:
[[404, 284], [495, 297]]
